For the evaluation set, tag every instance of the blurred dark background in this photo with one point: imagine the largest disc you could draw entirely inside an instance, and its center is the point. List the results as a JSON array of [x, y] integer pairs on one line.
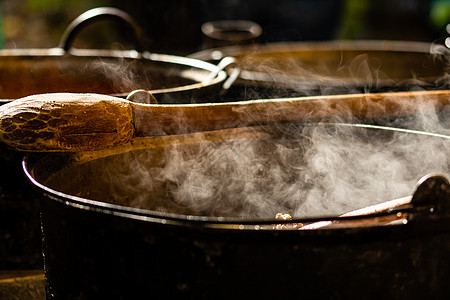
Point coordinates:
[[174, 26]]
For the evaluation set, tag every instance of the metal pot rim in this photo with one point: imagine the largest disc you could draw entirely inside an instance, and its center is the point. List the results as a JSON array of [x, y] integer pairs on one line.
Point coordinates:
[[337, 45]]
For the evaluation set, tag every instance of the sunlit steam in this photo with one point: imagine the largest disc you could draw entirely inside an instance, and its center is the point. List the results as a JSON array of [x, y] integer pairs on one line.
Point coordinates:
[[302, 169], [330, 71], [122, 74], [313, 171]]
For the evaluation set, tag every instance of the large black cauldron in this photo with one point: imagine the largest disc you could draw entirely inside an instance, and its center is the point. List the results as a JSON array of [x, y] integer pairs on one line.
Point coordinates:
[[95, 244]]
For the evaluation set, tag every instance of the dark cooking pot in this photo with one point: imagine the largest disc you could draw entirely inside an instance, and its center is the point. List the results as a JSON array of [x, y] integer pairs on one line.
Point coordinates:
[[65, 69], [335, 67], [109, 232]]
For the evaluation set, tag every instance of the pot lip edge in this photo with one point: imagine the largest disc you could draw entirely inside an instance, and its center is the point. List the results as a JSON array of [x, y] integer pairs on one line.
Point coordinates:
[[334, 45]]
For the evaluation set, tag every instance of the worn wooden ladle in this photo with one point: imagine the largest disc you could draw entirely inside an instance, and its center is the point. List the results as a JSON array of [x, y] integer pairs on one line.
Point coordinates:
[[86, 122]]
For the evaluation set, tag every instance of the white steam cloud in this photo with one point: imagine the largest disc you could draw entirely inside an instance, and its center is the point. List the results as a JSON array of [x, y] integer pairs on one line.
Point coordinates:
[[304, 170]]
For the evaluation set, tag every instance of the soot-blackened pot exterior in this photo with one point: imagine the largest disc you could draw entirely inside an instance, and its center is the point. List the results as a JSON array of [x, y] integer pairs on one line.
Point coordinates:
[[20, 236], [90, 252]]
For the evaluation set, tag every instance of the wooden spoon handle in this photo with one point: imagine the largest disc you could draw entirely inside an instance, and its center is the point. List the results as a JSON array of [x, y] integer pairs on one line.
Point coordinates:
[[66, 122], [80, 122], [173, 119]]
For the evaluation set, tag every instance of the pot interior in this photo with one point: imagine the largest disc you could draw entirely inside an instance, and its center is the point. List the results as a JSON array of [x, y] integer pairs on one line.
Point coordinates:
[[366, 66], [339, 67], [304, 170], [26, 74]]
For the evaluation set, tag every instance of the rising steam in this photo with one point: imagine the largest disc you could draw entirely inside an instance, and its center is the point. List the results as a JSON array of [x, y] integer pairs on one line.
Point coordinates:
[[308, 171], [302, 169], [125, 75]]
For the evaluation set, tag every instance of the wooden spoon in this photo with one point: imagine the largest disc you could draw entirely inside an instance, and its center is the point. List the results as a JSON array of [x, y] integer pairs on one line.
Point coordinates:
[[86, 122]]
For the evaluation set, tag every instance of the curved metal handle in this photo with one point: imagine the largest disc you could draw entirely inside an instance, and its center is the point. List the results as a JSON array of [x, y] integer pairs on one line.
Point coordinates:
[[142, 96], [431, 198], [94, 15], [433, 189], [232, 76]]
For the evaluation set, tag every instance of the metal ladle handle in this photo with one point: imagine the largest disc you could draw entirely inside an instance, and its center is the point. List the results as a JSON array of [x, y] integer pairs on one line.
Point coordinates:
[[94, 15]]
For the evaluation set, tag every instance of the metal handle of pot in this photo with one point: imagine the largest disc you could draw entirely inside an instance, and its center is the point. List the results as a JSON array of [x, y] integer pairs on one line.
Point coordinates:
[[94, 15], [144, 96], [226, 62], [432, 193]]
